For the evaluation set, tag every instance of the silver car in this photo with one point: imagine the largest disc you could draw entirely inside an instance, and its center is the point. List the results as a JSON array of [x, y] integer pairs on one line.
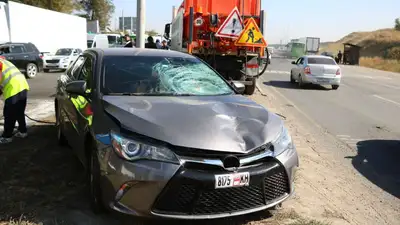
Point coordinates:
[[164, 135], [316, 69]]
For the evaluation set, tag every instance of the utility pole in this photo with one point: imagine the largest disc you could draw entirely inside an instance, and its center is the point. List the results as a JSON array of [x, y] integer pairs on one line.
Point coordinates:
[[141, 22], [50, 4], [4, 3], [123, 22]]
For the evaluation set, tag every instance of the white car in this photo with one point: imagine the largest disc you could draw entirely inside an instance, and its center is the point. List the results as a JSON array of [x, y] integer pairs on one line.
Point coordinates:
[[316, 69], [61, 59]]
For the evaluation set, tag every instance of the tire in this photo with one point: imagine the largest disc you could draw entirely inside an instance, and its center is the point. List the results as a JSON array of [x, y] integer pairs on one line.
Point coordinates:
[[96, 201], [335, 87], [292, 80], [31, 70], [301, 83], [250, 89], [62, 141], [46, 70]]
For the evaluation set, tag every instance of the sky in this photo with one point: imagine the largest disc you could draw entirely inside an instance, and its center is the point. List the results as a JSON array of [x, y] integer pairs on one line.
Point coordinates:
[[286, 19]]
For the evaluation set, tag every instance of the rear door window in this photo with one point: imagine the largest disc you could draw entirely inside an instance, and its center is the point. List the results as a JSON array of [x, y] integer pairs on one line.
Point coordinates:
[[323, 61], [17, 49]]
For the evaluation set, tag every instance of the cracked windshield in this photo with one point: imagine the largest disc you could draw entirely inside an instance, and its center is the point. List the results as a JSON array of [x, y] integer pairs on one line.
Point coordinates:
[[228, 112]]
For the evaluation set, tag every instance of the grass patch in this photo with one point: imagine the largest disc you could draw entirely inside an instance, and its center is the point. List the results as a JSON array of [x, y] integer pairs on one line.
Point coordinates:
[[380, 64]]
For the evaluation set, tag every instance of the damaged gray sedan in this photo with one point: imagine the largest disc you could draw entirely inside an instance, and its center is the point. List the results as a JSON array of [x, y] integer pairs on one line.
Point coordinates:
[[163, 135]]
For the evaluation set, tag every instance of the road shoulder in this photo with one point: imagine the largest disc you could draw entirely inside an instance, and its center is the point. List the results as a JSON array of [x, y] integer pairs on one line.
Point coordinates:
[[327, 185]]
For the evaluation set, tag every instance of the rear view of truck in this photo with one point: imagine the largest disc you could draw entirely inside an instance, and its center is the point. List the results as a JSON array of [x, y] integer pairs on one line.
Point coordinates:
[[226, 34]]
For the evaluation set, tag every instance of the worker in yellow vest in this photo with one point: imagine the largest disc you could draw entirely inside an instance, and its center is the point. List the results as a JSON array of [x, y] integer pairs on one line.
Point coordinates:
[[14, 88]]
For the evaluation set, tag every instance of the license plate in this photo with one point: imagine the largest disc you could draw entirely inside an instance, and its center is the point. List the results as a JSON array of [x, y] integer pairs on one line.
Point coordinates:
[[232, 180], [323, 80]]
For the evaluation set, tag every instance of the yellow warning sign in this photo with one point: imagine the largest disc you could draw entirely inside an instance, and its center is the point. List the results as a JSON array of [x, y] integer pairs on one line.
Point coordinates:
[[251, 36]]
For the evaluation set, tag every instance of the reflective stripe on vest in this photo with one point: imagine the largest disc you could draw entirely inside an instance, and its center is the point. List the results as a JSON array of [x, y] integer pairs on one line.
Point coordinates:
[[3, 73], [7, 80]]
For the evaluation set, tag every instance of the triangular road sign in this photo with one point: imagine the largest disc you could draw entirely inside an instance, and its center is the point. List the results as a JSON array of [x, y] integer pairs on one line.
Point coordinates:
[[232, 26], [251, 36]]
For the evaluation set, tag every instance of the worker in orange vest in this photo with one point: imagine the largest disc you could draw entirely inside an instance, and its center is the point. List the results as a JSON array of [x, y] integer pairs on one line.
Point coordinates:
[[14, 88]]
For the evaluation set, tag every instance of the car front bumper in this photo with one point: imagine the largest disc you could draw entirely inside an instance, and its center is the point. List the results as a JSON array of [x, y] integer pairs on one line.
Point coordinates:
[[322, 80], [56, 66], [186, 191]]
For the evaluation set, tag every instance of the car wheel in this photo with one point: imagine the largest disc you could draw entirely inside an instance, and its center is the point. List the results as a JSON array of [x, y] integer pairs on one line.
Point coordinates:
[[31, 70], [96, 201], [301, 83], [292, 80], [62, 141], [335, 87], [46, 70]]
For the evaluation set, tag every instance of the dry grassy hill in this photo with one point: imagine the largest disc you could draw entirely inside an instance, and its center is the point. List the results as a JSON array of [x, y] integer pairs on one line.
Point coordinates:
[[376, 48]]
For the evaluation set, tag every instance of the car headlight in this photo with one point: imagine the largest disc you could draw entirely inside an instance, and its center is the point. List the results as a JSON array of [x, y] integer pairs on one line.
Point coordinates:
[[64, 60], [282, 142], [135, 150]]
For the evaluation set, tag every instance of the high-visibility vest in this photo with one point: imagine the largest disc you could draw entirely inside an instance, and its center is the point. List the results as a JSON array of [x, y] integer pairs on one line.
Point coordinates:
[[12, 81], [81, 105]]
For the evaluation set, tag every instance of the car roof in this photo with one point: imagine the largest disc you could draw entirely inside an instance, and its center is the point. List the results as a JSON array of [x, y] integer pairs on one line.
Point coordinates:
[[139, 52], [317, 56]]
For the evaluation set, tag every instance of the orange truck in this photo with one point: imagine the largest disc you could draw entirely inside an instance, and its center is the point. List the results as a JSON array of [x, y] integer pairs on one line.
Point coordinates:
[[227, 34]]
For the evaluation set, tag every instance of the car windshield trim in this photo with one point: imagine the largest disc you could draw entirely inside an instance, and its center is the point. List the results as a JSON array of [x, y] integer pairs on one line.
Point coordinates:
[[175, 76]]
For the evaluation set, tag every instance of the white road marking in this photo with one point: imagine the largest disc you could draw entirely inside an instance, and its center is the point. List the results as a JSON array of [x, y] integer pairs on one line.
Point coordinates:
[[387, 100], [390, 86], [277, 72], [349, 140], [342, 135]]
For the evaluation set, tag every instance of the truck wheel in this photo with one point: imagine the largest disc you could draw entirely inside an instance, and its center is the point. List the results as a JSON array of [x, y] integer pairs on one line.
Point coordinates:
[[249, 90]]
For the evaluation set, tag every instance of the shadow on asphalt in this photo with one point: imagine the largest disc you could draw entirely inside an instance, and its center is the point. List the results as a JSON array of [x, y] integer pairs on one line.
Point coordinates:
[[378, 161], [288, 85], [46, 184]]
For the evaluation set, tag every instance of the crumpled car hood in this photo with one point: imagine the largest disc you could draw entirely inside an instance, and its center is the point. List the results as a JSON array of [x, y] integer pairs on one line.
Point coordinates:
[[231, 123]]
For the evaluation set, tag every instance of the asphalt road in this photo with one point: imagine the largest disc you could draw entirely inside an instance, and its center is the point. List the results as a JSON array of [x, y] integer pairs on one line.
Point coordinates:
[[43, 86], [363, 113]]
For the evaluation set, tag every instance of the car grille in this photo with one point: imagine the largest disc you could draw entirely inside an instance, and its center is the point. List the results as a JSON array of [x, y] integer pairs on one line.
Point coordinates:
[[187, 197], [52, 61]]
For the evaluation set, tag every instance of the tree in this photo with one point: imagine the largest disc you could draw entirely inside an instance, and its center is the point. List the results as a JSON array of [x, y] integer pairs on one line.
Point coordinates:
[[151, 33], [101, 10], [64, 6], [397, 24]]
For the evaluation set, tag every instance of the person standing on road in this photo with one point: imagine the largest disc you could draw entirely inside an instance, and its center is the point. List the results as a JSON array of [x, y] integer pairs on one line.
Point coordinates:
[[128, 40], [164, 45], [158, 44], [14, 88], [150, 43], [339, 55]]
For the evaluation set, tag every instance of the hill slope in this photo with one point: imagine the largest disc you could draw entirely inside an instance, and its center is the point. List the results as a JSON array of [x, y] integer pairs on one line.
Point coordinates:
[[374, 43]]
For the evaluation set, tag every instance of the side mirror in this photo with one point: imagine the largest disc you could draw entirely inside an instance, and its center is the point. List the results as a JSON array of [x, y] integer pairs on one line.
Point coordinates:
[[240, 87], [76, 87], [294, 62], [214, 19], [167, 30]]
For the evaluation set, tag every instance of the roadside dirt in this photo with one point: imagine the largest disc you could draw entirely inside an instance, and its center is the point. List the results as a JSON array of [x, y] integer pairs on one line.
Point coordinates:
[[42, 183], [328, 188]]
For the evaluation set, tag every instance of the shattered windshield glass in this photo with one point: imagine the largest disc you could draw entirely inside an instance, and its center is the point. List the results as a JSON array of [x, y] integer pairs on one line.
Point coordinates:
[[155, 75]]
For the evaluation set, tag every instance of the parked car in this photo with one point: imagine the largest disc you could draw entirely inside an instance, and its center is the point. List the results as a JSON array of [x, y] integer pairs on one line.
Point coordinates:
[[25, 56], [315, 69], [61, 59], [164, 135]]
